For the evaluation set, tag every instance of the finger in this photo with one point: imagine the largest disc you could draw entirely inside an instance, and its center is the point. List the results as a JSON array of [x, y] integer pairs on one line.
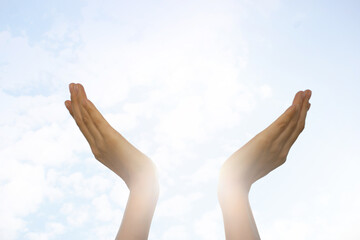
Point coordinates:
[[87, 119], [300, 124], [69, 108], [77, 113], [280, 124], [298, 97], [287, 131], [96, 117], [75, 104]]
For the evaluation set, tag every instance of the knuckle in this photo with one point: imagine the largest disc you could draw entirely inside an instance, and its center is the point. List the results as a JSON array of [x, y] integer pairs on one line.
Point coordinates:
[[97, 121], [301, 126], [78, 120], [264, 141], [85, 104], [274, 149], [279, 162], [282, 158], [97, 154], [293, 124], [282, 161], [282, 124], [86, 119], [100, 146]]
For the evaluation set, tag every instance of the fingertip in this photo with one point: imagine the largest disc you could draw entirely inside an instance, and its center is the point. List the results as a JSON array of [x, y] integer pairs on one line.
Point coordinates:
[[298, 94], [71, 87], [67, 104], [303, 94], [76, 88], [69, 107], [298, 97], [82, 89]]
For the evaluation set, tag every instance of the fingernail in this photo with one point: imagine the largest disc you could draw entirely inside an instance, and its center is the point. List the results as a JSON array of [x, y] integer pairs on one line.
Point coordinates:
[[76, 88], [302, 95]]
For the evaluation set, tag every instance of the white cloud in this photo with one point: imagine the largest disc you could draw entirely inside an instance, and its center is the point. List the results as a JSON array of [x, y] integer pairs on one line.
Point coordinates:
[[52, 229], [22, 192], [38, 66], [103, 208], [331, 216], [84, 187], [177, 206], [207, 172], [210, 226], [119, 194], [266, 91], [178, 232], [106, 231], [76, 216], [169, 79]]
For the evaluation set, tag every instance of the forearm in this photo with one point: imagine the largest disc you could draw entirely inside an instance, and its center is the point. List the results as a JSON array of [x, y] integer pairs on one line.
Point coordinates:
[[238, 218], [139, 211], [140, 175]]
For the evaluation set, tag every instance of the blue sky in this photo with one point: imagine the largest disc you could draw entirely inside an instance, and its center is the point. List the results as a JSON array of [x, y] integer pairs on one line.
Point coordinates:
[[188, 83]]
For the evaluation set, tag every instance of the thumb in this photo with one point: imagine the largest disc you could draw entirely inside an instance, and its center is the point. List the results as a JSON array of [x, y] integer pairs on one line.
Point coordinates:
[[69, 107]]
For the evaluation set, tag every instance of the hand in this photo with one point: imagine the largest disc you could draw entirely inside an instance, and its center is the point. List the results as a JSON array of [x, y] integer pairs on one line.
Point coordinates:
[[268, 149], [107, 145]]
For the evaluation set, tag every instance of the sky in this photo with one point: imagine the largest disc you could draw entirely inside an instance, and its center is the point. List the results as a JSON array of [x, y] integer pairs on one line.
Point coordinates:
[[188, 83]]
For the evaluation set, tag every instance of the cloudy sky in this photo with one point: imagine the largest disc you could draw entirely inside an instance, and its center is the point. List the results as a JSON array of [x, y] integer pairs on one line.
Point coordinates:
[[188, 83]]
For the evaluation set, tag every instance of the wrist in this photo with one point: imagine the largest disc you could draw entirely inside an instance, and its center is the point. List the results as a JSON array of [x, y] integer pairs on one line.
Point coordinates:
[[231, 188], [231, 181], [145, 181]]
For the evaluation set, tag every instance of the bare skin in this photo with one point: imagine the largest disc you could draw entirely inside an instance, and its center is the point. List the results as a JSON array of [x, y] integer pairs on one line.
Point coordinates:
[[115, 152], [261, 155]]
